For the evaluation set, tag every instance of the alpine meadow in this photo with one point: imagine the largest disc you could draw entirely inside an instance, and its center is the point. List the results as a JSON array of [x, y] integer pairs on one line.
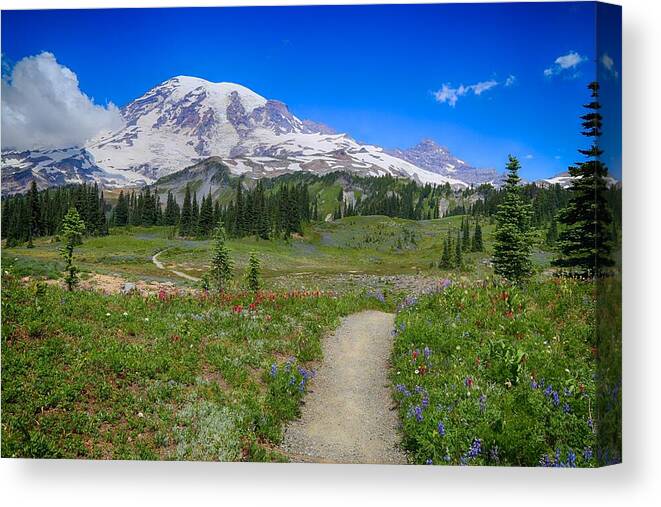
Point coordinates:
[[202, 273]]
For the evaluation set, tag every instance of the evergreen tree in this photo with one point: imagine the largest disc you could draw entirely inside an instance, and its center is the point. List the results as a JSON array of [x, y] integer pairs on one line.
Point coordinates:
[[465, 241], [477, 245], [195, 215], [511, 257], [584, 244], [73, 229], [446, 260], [252, 273], [185, 222], [221, 262], [552, 233], [34, 204], [458, 257], [205, 224]]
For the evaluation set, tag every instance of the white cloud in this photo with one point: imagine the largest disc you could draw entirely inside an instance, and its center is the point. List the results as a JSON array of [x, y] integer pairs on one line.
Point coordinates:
[[43, 106], [510, 81], [530, 156], [565, 63], [609, 64], [483, 86], [451, 95]]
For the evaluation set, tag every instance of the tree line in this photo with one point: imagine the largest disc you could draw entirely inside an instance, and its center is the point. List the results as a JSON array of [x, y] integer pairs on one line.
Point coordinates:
[[40, 213]]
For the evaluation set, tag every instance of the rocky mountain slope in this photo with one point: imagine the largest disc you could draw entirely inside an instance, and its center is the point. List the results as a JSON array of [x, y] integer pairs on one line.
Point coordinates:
[[435, 158]]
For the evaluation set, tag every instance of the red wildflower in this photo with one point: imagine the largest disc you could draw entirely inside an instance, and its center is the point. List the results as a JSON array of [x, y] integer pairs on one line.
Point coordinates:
[[237, 309], [509, 314], [414, 354], [175, 338], [253, 307], [162, 295]]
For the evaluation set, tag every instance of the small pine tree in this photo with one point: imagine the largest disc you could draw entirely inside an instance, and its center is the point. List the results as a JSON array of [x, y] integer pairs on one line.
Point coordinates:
[[446, 261], [465, 240], [73, 229], [221, 262], [511, 257], [458, 258], [252, 273], [477, 245]]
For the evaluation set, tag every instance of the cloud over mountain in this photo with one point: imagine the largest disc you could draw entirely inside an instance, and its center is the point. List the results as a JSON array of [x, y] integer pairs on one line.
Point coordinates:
[[43, 106]]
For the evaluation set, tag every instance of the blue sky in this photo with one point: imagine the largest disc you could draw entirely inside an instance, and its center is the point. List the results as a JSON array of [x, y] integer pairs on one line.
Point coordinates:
[[515, 75]]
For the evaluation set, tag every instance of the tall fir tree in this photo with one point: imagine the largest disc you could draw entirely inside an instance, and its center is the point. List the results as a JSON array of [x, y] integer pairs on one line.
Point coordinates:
[[458, 257], [477, 244], [584, 244], [185, 221], [446, 259], [465, 240], [205, 224], [512, 245]]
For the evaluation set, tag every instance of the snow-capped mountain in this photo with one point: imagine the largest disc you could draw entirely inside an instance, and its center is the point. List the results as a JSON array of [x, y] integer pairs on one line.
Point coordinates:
[[57, 167], [564, 179], [185, 120], [429, 155]]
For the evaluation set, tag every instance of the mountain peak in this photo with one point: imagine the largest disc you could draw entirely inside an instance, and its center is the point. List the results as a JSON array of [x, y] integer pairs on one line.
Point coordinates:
[[429, 144]]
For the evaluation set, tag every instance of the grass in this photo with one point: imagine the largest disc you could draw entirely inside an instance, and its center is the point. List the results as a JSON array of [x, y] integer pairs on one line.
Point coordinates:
[[496, 375], [170, 377], [213, 378], [374, 245]]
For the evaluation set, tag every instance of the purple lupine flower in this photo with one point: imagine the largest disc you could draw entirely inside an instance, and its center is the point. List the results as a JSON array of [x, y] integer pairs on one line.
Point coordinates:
[[556, 398], [545, 461], [534, 384], [417, 412], [402, 389], [274, 370], [587, 453], [590, 423], [566, 408], [292, 380], [425, 402], [441, 428], [494, 454], [301, 385], [571, 459], [427, 352], [567, 392], [429, 462], [419, 389], [475, 448], [445, 283], [548, 391], [446, 458], [483, 402]]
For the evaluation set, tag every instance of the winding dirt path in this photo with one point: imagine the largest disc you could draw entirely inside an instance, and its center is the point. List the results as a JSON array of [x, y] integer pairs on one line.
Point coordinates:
[[160, 265], [348, 416]]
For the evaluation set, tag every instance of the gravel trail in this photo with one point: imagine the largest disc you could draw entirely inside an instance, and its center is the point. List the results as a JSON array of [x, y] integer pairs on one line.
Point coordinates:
[[160, 265], [349, 416]]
